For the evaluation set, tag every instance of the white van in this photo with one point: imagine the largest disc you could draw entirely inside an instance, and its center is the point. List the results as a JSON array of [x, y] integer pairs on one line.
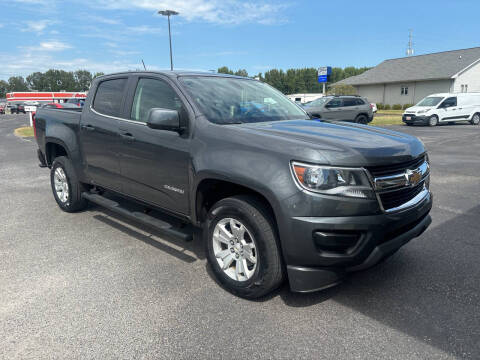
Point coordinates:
[[444, 108]]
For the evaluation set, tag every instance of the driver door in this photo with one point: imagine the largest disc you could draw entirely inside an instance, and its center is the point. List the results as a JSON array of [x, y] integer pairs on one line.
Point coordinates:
[[154, 163], [334, 110], [449, 110]]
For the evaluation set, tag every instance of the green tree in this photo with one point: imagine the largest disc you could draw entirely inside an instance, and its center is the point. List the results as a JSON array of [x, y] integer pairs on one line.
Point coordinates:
[[83, 79], [36, 81], [3, 88], [341, 89], [58, 80], [225, 70], [241, 72], [17, 83], [98, 74]]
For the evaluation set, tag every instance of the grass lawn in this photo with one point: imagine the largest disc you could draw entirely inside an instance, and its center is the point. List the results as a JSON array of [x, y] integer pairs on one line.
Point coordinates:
[[387, 120], [390, 112], [26, 131]]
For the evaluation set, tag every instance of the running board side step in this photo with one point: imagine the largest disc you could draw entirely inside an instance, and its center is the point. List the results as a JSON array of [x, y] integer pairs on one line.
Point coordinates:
[[145, 219]]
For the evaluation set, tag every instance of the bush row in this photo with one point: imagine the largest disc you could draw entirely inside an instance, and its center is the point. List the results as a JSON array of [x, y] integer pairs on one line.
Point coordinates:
[[381, 106]]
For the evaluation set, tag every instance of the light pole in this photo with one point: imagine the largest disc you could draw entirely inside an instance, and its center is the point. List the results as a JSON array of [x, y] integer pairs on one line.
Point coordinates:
[[169, 13]]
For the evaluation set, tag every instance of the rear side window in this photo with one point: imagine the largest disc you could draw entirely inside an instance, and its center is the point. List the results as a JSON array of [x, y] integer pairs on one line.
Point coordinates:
[[153, 93], [109, 95], [359, 102], [349, 102]]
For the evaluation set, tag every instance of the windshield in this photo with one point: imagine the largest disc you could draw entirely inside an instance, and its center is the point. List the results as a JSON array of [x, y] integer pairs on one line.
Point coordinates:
[[231, 101], [318, 102], [430, 101]]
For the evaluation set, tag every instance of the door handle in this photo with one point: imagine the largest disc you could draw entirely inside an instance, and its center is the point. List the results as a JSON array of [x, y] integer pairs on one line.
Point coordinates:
[[87, 127], [127, 136]]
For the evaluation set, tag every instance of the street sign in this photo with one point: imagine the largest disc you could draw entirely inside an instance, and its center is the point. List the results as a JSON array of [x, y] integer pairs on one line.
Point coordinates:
[[323, 73]]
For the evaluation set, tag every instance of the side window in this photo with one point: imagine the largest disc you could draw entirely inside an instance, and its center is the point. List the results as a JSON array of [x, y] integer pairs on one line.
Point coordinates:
[[335, 103], [451, 101], [404, 90], [153, 93], [349, 102], [108, 98], [359, 102]]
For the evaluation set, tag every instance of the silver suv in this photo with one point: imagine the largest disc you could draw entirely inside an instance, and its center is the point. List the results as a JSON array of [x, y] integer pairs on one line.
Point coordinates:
[[346, 108]]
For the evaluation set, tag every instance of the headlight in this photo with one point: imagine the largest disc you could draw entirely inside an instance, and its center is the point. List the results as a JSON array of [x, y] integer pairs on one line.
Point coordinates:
[[421, 111], [333, 181]]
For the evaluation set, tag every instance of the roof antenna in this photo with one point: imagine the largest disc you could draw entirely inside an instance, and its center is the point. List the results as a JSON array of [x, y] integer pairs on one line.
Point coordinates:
[[409, 51], [144, 67]]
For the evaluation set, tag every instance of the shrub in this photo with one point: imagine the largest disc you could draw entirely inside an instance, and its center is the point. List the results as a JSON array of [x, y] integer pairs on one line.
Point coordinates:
[[380, 106], [406, 106], [396, 107], [386, 107]]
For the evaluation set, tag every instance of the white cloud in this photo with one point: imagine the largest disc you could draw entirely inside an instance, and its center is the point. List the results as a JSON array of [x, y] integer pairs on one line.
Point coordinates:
[[36, 26], [145, 29], [54, 45], [213, 11]]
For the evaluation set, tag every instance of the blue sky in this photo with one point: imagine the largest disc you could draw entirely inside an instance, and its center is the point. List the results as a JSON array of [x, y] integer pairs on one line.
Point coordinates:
[[114, 35]]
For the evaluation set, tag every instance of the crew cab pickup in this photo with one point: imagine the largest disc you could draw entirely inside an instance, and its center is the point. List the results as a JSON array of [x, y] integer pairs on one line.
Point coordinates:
[[278, 195]]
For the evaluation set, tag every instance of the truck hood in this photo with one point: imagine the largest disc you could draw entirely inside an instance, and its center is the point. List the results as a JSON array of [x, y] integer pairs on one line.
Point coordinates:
[[339, 143], [414, 109]]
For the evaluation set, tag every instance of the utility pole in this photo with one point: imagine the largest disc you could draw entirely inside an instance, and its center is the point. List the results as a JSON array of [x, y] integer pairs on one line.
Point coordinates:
[[169, 13], [410, 43]]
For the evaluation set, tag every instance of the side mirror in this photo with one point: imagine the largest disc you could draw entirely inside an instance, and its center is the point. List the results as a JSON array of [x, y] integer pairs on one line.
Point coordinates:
[[164, 119]]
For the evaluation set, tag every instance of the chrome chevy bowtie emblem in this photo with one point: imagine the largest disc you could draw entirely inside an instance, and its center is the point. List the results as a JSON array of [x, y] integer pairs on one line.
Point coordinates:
[[413, 177]]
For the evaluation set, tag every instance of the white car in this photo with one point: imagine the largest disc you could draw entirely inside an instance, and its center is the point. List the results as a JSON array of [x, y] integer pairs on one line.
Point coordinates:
[[444, 108]]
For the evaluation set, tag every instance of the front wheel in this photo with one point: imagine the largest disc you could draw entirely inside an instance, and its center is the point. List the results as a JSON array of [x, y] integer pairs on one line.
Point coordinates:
[[242, 247], [433, 120], [67, 190], [475, 119]]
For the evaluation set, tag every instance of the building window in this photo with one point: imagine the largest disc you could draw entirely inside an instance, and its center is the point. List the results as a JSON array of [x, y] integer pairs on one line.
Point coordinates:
[[404, 90], [464, 88]]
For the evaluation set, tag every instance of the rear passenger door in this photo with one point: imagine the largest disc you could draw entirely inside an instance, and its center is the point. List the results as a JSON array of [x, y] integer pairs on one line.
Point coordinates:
[[154, 163], [99, 138], [350, 109]]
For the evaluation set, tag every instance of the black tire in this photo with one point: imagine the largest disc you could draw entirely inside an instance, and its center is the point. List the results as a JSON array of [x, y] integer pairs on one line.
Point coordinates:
[[409, 124], [361, 119], [268, 273], [475, 119], [433, 120], [74, 202]]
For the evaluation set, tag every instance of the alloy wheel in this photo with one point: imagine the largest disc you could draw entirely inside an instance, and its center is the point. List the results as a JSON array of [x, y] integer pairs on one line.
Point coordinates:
[[234, 248]]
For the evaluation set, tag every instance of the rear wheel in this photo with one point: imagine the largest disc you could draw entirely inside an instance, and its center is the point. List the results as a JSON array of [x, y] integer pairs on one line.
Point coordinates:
[[475, 119], [433, 120], [361, 119], [242, 247], [67, 190]]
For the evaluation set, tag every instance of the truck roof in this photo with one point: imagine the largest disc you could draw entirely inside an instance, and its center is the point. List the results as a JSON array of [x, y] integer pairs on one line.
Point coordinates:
[[176, 73]]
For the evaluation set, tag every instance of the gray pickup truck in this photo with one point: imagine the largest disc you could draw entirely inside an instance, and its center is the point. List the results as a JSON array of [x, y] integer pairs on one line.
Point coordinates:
[[279, 195]]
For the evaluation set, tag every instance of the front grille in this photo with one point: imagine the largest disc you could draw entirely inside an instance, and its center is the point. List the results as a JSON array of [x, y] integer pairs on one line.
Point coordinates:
[[392, 169], [399, 197]]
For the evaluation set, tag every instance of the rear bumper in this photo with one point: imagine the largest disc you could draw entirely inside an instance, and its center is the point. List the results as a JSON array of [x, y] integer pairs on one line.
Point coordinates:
[[377, 237], [414, 119]]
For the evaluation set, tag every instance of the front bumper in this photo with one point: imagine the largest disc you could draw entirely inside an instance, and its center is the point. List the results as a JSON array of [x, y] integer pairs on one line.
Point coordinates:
[[415, 119], [312, 266]]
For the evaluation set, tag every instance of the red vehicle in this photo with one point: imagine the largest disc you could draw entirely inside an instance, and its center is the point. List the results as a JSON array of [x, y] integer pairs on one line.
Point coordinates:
[[2, 108], [53, 106]]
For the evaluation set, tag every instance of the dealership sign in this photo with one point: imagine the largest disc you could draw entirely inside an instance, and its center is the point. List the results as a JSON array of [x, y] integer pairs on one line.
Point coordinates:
[[323, 73]]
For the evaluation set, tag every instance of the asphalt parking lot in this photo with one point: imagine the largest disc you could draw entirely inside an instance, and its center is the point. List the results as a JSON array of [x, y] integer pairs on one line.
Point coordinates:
[[91, 285]]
